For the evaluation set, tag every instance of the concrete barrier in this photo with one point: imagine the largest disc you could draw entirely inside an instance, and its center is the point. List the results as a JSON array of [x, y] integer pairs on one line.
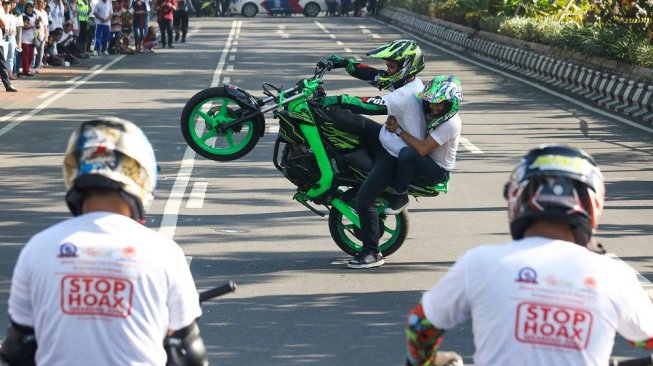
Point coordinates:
[[621, 88]]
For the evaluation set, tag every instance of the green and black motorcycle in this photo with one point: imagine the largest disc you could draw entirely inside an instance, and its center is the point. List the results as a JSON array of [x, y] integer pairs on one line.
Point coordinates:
[[326, 163]]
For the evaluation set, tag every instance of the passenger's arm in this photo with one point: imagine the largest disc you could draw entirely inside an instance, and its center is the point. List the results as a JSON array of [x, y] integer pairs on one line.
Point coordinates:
[[422, 147]]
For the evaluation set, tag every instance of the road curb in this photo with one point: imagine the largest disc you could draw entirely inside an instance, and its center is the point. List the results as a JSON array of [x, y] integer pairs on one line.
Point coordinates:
[[626, 93]]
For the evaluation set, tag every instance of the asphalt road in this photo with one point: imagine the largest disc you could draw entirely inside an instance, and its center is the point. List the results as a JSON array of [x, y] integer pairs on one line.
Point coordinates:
[[297, 303]]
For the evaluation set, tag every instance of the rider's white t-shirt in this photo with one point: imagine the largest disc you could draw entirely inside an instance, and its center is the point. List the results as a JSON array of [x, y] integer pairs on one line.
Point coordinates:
[[102, 289], [447, 135], [404, 105], [539, 301]]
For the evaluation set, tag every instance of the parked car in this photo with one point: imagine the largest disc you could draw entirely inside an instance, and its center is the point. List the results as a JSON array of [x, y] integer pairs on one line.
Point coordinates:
[[250, 8]]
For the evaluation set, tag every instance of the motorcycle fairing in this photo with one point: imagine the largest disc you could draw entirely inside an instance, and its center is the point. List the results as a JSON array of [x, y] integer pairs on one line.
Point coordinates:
[[242, 97]]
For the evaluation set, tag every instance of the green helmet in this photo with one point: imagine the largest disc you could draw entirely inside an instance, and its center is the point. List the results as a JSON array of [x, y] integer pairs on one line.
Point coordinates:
[[444, 88], [409, 56]]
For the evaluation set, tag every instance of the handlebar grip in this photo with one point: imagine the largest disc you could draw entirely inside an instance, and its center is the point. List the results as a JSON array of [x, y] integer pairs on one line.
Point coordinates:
[[644, 361], [218, 291]]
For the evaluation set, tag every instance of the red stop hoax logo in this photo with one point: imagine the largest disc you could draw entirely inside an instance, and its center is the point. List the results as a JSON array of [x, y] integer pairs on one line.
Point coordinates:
[[553, 325], [96, 295]]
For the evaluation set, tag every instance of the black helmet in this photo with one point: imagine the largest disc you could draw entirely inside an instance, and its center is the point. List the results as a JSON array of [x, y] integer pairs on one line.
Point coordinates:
[[556, 182]]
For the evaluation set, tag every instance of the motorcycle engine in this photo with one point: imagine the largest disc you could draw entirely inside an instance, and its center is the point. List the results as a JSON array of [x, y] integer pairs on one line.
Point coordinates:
[[299, 166]]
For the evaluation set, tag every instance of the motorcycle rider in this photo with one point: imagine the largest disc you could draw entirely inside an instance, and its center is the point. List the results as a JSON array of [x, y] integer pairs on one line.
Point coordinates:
[[404, 60], [431, 159], [548, 297], [101, 288]]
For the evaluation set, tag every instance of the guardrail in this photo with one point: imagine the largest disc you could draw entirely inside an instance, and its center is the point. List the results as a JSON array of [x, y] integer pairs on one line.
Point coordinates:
[[626, 94]]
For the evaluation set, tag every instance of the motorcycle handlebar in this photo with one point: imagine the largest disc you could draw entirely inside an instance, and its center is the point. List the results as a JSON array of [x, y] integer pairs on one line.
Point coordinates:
[[218, 291], [644, 361]]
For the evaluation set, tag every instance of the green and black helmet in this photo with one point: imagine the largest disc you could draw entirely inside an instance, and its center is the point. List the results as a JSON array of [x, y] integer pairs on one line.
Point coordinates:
[[409, 56], [444, 88]]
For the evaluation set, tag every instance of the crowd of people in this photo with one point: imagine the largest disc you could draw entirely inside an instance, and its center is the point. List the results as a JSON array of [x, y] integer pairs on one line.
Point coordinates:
[[61, 32], [357, 8]]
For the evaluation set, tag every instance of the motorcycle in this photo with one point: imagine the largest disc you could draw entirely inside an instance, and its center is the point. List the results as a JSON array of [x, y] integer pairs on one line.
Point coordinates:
[[318, 155]]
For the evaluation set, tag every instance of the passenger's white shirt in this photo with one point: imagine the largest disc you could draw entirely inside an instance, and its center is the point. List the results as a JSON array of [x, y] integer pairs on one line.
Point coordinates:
[[102, 289], [447, 135], [404, 105], [539, 301]]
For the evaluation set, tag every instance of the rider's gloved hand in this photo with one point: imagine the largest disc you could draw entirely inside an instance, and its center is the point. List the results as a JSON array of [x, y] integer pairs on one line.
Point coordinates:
[[444, 358], [337, 61]]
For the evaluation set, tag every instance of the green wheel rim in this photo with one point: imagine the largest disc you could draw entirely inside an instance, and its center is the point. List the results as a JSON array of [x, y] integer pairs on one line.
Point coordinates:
[[213, 112], [349, 228]]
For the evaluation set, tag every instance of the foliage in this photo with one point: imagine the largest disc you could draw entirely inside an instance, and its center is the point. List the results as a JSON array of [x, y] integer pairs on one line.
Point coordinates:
[[615, 29]]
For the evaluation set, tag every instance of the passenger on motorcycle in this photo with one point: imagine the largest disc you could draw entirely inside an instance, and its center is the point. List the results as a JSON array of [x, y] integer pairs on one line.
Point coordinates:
[[404, 60], [431, 159], [545, 298], [101, 288]]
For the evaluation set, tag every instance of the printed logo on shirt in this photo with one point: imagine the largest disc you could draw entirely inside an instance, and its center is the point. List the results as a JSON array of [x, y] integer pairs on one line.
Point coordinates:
[[373, 100], [590, 283], [552, 325], [527, 275], [96, 295], [67, 250]]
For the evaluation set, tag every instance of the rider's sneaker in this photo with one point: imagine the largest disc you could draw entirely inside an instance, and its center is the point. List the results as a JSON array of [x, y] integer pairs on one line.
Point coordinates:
[[366, 259], [396, 204]]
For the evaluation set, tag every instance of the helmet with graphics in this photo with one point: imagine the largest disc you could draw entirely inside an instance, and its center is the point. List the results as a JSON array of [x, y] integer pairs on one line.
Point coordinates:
[[110, 154], [443, 88], [405, 52], [556, 182]]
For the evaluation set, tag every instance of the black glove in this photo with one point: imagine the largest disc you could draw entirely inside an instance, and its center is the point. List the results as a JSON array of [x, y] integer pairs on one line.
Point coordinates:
[[337, 61]]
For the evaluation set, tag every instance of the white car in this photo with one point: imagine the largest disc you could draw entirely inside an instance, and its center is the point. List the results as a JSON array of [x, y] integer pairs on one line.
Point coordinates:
[[250, 8]]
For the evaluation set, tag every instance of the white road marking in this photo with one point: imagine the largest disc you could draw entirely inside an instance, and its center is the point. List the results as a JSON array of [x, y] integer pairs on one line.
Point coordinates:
[[171, 211], [527, 82], [348, 50], [339, 43], [273, 129], [332, 36], [230, 68], [469, 146], [7, 117], [59, 95], [226, 80], [71, 81], [232, 58], [646, 284], [197, 193], [46, 94]]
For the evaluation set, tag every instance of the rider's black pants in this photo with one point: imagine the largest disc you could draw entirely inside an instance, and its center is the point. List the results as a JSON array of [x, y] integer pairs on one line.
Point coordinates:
[[418, 169], [381, 176]]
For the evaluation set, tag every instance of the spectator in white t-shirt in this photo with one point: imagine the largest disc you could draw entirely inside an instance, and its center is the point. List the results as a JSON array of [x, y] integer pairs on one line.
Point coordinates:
[[101, 288], [549, 297]]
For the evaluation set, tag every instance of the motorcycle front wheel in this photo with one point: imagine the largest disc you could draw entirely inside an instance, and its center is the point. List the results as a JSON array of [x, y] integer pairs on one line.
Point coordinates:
[[393, 228], [210, 108]]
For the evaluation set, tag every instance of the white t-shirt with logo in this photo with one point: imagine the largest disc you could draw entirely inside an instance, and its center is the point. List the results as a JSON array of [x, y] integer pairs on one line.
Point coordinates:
[[102, 289], [447, 135], [404, 105], [539, 301]]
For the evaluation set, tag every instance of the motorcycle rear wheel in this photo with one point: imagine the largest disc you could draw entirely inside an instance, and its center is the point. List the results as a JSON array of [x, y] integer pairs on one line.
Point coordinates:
[[206, 110], [394, 230]]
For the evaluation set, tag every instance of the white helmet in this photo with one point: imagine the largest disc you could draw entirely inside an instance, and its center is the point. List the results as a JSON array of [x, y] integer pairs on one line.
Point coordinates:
[[110, 153]]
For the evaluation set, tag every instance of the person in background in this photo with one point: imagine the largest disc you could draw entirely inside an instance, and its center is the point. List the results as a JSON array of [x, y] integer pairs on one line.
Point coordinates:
[[43, 33], [10, 36], [149, 41], [140, 11], [181, 18], [30, 24], [165, 11], [4, 72], [19, 42], [115, 35], [345, 6], [550, 296], [102, 14]]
